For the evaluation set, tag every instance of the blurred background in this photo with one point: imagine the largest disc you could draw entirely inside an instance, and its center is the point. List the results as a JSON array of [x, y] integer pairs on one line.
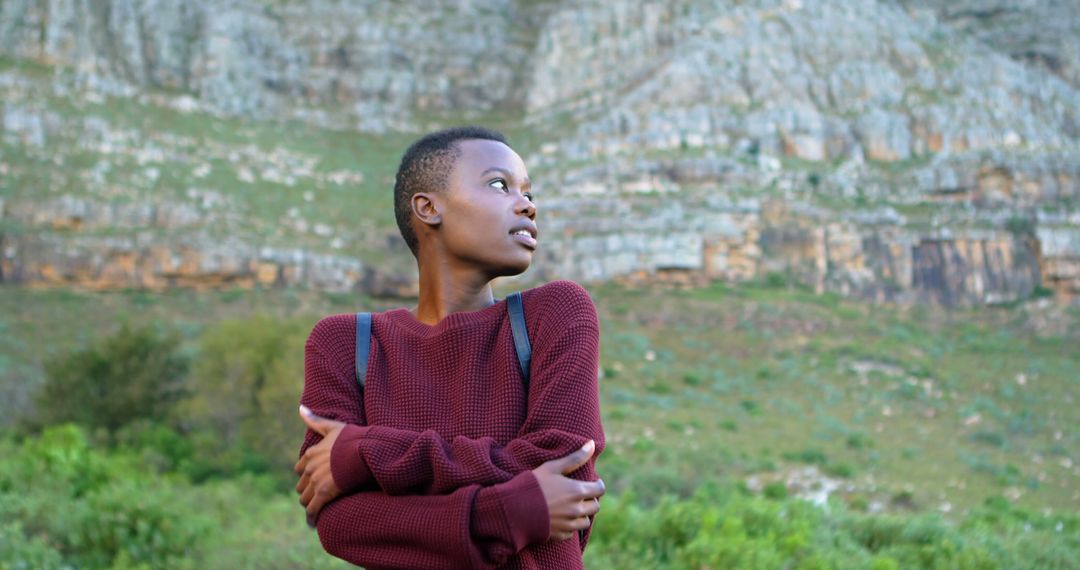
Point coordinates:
[[834, 245]]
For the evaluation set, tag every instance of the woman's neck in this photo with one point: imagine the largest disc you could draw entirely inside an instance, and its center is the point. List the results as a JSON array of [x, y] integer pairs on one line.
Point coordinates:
[[445, 290]]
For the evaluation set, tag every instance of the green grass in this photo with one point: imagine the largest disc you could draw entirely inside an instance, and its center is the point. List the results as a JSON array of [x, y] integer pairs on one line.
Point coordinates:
[[126, 506], [778, 370], [229, 149], [945, 407]]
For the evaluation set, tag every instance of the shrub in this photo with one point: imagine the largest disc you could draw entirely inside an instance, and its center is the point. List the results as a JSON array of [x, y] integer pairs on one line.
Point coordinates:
[[133, 374], [810, 456], [246, 388], [751, 407], [61, 498], [135, 520], [859, 440], [1020, 226], [842, 470], [19, 552], [775, 490], [990, 438]]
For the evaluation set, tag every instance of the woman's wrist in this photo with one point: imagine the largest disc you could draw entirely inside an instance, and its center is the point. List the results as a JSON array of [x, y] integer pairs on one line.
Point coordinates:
[[514, 512], [348, 467]]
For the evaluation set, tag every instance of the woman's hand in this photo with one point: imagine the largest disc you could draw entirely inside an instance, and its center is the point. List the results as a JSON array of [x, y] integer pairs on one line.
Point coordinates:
[[570, 502], [316, 486]]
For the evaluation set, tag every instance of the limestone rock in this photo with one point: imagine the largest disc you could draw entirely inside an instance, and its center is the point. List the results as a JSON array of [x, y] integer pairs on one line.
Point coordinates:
[[1045, 33], [894, 150], [111, 263], [376, 62]]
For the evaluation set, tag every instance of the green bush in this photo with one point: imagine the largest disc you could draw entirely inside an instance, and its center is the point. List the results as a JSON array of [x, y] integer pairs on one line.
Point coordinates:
[[20, 552], [92, 509], [124, 515], [775, 490], [691, 379], [720, 527], [159, 447], [809, 455], [859, 440], [842, 470], [246, 386], [67, 504], [133, 374], [138, 521]]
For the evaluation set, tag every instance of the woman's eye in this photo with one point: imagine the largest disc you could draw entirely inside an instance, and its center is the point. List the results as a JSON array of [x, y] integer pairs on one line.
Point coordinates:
[[500, 182], [529, 196]]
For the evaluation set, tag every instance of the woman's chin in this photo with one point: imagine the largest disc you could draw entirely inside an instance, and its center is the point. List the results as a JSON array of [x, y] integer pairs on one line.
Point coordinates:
[[516, 267]]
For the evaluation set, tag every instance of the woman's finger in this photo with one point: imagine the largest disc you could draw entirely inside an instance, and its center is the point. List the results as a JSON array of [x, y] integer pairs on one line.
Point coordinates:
[[305, 479], [305, 498], [316, 504], [590, 507], [317, 424]]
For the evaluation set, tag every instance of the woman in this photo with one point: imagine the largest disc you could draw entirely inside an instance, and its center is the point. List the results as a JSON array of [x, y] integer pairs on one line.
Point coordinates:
[[450, 461]]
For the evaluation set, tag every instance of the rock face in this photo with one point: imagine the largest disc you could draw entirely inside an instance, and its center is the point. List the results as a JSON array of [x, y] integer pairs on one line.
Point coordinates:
[[861, 81], [872, 259], [124, 262], [983, 145], [895, 150], [1044, 33], [371, 62]]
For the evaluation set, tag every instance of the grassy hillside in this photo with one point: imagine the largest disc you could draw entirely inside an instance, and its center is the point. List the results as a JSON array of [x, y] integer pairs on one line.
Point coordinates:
[[269, 181], [897, 409], [887, 409]]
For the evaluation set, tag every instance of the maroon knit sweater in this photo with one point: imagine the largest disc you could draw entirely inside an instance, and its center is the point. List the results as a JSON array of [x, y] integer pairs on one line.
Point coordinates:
[[435, 470]]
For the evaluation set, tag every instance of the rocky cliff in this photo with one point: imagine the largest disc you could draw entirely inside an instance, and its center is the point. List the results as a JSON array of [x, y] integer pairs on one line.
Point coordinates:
[[908, 151]]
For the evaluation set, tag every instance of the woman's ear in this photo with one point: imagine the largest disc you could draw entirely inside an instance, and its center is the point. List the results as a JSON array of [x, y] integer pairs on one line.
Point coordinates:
[[425, 207]]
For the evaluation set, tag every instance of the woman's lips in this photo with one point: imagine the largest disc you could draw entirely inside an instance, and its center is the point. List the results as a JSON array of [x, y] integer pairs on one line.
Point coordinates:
[[527, 241]]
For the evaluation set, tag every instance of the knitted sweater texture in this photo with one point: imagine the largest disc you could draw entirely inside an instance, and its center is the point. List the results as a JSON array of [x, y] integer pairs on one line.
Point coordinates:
[[435, 466]]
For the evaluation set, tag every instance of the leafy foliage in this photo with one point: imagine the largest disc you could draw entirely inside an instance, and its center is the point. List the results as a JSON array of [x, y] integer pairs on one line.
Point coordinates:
[[245, 388], [724, 527], [701, 389], [65, 503], [93, 509], [135, 373]]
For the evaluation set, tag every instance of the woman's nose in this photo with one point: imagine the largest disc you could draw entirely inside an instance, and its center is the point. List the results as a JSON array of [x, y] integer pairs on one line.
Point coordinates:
[[527, 207]]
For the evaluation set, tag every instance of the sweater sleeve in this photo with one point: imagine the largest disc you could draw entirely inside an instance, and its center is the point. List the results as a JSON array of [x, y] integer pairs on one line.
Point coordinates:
[[379, 531], [470, 528], [563, 414]]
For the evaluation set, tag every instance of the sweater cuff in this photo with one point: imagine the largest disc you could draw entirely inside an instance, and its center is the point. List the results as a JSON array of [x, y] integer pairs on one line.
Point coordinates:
[[515, 511], [347, 466]]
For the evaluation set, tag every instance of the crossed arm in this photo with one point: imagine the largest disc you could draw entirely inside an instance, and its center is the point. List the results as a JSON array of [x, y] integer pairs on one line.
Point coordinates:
[[465, 483], [502, 520]]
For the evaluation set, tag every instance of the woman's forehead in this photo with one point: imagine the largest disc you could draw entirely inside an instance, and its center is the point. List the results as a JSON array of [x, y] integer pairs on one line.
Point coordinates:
[[479, 155]]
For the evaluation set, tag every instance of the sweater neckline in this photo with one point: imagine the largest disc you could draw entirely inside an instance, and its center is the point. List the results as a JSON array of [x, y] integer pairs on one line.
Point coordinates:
[[404, 319]]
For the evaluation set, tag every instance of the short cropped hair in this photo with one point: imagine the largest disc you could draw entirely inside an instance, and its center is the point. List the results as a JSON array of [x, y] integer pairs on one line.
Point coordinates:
[[426, 166]]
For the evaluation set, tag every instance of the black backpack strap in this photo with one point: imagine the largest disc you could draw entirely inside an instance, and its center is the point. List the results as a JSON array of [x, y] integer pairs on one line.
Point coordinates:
[[521, 335], [363, 348]]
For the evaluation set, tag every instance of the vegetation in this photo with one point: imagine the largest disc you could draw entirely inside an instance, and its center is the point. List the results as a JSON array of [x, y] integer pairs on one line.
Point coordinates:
[[67, 502], [723, 526], [117, 513], [752, 426], [134, 374], [248, 377]]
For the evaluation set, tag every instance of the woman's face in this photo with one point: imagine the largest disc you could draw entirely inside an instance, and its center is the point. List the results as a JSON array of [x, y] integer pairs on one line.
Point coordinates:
[[488, 217]]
